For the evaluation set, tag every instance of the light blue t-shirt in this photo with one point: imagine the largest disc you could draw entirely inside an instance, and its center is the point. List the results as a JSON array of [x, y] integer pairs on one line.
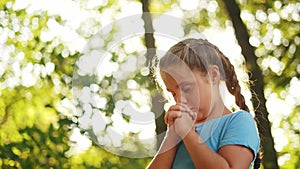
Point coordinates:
[[236, 128]]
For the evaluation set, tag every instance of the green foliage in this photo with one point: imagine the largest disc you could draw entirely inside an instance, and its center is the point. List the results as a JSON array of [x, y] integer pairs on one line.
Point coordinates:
[[157, 6], [35, 128], [32, 134], [275, 26], [36, 73], [95, 157], [290, 153]]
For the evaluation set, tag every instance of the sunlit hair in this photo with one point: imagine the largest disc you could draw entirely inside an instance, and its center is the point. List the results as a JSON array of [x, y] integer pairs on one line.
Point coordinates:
[[199, 54]]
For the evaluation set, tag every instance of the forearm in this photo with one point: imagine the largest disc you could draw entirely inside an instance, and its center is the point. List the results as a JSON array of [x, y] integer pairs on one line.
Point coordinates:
[[163, 160], [202, 156], [165, 156]]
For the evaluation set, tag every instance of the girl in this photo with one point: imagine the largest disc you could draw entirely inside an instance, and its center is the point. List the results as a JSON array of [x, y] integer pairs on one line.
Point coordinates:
[[202, 131]]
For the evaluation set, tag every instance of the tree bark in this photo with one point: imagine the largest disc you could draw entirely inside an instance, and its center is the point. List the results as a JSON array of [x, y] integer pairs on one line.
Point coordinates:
[[157, 99], [149, 38], [257, 88]]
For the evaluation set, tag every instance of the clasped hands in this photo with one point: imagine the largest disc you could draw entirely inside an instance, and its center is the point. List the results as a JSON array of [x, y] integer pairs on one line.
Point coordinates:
[[181, 118]]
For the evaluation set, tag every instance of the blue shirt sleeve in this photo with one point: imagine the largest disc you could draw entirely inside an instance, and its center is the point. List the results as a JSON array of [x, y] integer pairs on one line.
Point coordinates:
[[241, 131]]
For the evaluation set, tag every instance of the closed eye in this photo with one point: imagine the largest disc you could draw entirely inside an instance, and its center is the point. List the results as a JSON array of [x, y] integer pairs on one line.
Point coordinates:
[[186, 89]]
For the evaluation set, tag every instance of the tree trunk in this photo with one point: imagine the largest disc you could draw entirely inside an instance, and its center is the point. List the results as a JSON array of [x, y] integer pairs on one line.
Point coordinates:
[[157, 99], [258, 99]]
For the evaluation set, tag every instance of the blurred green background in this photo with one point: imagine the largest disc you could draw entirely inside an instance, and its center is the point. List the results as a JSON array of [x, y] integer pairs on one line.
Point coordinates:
[[40, 42]]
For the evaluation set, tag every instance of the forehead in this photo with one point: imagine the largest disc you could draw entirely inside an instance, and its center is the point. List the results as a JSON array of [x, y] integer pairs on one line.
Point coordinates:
[[177, 74]]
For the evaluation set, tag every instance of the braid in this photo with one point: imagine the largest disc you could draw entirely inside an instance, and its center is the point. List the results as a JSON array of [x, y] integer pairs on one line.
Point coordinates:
[[232, 82], [200, 54], [234, 88]]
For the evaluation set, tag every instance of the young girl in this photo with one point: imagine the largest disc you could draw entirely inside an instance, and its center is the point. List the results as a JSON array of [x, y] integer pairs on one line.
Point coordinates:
[[202, 131]]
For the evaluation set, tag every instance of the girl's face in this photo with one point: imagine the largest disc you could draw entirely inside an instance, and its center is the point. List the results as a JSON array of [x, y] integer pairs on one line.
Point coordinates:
[[189, 87]]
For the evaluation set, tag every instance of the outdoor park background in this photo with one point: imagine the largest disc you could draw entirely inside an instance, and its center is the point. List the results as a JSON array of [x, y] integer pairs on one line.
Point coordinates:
[[41, 43]]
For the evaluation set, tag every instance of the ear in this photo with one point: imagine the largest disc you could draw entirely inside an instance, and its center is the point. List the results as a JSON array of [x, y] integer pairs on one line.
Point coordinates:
[[214, 74]]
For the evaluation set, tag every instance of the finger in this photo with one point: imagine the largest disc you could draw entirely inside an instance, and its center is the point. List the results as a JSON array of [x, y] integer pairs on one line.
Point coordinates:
[[187, 110], [193, 114], [171, 116], [173, 108], [170, 122], [183, 106], [177, 107]]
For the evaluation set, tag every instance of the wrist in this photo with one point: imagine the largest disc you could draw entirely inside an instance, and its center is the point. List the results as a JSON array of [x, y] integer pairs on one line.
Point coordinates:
[[170, 141], [185, 132], [172, 135], [192, 135]]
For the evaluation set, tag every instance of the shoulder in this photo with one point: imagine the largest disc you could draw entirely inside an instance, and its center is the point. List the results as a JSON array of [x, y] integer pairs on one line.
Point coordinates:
[[240, 122], [240, 118], [241, 114], [241, 130]]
